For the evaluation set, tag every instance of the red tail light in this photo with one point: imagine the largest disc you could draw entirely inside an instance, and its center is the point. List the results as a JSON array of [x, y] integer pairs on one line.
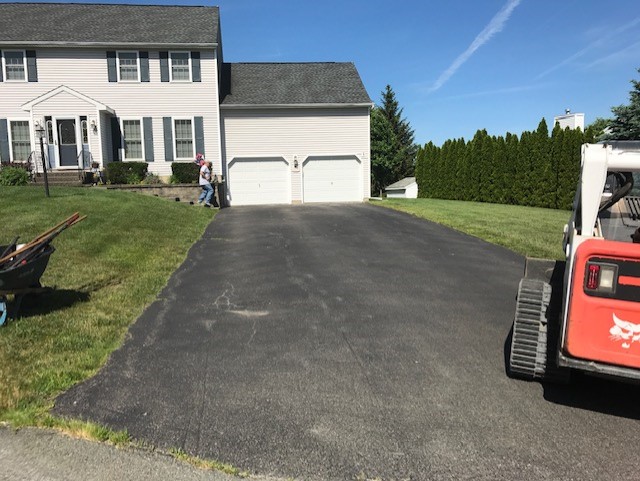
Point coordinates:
[[593, 276], [601, 278]]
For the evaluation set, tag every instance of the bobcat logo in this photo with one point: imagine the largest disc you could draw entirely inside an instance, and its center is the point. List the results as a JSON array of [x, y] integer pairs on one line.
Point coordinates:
[[625, 331]]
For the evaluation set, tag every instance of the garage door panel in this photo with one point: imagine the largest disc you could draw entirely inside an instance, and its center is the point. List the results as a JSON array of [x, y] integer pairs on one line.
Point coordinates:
[[259, 181], [332, 180]]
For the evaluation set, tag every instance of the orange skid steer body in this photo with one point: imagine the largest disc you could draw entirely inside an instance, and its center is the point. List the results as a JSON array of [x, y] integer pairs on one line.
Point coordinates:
[[583, 313], [603, 322]]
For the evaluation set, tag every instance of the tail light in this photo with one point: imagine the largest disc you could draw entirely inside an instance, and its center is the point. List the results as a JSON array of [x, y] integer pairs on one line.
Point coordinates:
[[601, 278]]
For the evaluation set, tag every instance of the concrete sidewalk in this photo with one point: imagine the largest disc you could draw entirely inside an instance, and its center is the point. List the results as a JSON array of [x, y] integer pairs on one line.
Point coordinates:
[[33, 454]]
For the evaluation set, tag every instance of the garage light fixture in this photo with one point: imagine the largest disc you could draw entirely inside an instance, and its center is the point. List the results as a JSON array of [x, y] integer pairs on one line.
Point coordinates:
[[295, 161]]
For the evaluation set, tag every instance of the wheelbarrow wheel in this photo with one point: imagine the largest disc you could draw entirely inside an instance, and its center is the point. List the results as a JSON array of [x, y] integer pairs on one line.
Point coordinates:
[[3, 310]]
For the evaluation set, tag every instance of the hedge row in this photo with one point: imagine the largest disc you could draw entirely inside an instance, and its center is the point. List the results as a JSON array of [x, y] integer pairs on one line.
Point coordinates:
[[534, 169]]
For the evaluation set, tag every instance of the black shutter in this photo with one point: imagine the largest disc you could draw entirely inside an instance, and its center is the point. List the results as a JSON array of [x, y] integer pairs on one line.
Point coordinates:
[[164, 66], [116, 139], [195, 67], [4, 141], [147, 125], [111, 66], [32, 69], [168, 139], [1, 66], [144, 66], [199, 130]]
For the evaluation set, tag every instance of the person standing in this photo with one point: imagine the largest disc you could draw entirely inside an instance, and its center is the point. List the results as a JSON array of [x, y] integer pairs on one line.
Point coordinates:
[[205, 183]]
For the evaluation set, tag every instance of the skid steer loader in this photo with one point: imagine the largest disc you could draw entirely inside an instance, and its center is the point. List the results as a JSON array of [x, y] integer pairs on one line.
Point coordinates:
[[583, 313]]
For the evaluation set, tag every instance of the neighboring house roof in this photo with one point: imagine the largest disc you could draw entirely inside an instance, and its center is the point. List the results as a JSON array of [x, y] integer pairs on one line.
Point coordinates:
[[402, 184], [53, 24], [291, 84]]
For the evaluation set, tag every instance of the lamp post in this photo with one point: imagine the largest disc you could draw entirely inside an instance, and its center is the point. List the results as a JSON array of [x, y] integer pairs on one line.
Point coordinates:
[[40, 131]]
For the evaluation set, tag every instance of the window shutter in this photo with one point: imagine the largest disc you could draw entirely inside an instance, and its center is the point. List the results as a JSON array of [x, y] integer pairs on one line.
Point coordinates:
[[4, 141], [1, 66], [32, 70], [199, 131], [168, 139], [164, 66], [195, 67], [144, 66], [147, 125], [116, 139], [111, 66]]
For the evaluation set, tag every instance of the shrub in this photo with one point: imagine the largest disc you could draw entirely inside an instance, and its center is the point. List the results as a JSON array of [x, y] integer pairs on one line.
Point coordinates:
[[184, 172], [126, 172], [151, 179], [14, 176]]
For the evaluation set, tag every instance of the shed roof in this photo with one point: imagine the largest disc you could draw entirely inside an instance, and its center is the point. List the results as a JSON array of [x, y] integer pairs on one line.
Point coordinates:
[[264, 84], [402, 184], [98, 24]]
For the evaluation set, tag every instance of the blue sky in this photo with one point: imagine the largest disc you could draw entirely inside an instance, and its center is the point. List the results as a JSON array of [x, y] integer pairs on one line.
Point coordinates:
[[456, 65]]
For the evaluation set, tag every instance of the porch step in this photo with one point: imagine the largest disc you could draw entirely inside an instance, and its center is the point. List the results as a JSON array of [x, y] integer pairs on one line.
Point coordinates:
[[70, 178]]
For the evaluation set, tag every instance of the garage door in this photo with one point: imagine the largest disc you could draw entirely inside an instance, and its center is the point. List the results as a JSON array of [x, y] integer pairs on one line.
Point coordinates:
[[259, 181], [332, 180]]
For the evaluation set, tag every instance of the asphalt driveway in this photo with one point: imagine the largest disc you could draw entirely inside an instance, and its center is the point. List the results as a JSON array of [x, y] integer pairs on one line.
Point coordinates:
[[337, 341]]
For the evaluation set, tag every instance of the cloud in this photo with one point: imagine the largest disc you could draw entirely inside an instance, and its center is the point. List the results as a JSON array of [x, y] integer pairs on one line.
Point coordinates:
[[496, 25], [590, 48]]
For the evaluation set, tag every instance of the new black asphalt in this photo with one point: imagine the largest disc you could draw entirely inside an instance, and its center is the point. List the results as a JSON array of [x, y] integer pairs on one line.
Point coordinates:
[[351, 341]]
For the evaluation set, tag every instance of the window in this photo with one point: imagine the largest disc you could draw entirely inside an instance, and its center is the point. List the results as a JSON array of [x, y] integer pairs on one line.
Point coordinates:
[[84, 130], [128, 67], [49, 125], [183, 138], [180, 66], [14, 65], [20, 140], [132, 138]]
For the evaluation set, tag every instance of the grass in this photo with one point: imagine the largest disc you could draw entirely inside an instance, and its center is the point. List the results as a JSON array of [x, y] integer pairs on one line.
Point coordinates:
[[530, 231], [104, 272]]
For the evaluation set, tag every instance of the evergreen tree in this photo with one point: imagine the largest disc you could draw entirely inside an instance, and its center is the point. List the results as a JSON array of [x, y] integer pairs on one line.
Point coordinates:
[[626, 122], [404, 150], [384, 151]]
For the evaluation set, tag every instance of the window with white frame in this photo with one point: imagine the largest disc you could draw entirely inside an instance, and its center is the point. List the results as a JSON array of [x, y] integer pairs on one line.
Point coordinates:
[[20, 139], [14, 65], [128, 67], [180, 66], [183, 129], [133, 140]]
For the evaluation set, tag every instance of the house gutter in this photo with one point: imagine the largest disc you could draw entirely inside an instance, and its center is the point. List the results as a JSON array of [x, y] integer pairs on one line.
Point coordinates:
[[145, 45], [291, 106]]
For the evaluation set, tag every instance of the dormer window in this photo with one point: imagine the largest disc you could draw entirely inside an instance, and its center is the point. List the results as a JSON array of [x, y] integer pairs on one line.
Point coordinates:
[[128, 70]]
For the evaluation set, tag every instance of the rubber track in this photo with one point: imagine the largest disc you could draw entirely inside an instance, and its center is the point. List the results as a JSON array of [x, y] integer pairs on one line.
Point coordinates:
[[528, 345]]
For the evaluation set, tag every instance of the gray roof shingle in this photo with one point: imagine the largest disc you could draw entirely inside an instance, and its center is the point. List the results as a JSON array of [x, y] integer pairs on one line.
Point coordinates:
[[248, 84], [101, 24], [402, 183]]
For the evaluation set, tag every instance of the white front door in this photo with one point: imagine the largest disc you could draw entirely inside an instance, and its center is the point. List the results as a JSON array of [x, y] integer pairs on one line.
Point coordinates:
[[337, 179], [259, 181]]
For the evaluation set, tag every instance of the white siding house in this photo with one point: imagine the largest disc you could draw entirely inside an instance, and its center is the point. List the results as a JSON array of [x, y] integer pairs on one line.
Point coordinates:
[[303, 127], [148, 83]]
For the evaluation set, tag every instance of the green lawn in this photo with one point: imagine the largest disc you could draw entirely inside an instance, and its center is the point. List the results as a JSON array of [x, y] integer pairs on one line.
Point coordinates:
[[105, 271], [529, 231]]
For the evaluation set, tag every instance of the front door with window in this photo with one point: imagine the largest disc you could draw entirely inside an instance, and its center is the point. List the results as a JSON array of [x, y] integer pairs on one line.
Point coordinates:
[[67, 143]]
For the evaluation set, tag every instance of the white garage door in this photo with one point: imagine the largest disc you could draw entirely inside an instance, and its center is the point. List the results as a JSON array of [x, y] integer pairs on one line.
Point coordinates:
[[259, 181], [332, 180]]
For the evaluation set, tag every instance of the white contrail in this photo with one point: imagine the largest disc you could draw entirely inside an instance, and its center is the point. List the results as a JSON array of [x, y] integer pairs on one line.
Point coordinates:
[[494, 26], [589, 48]]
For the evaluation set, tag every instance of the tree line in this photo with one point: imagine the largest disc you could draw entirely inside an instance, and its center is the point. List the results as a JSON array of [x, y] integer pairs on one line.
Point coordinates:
[[534, 169]]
